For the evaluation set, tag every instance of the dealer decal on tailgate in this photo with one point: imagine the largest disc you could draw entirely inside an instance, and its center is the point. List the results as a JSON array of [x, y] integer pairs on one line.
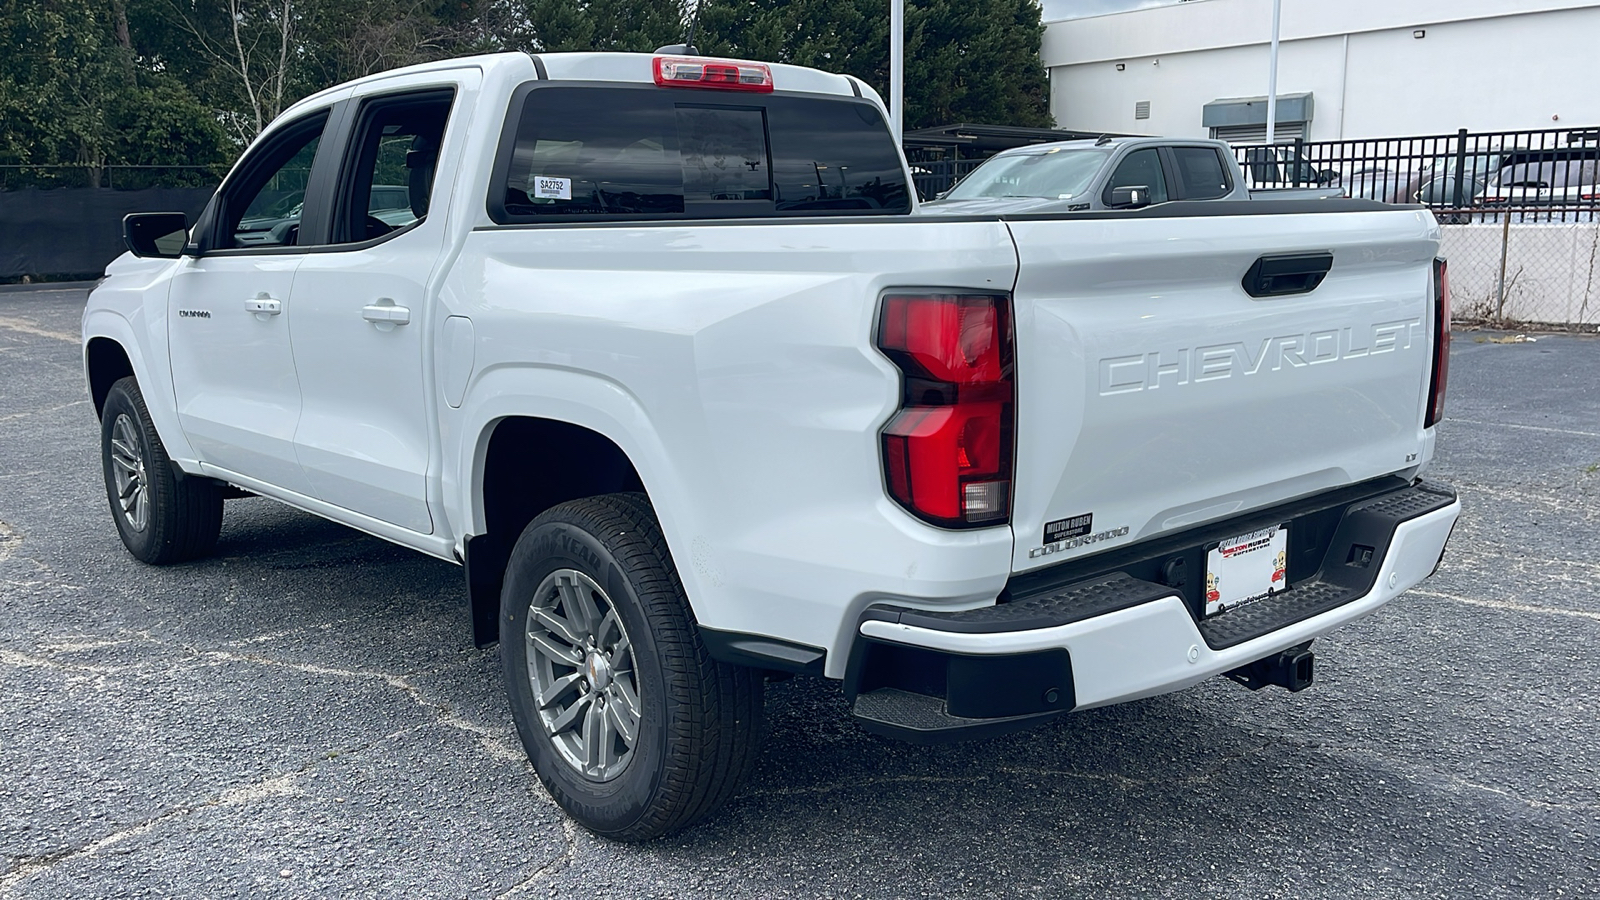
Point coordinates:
[[1069, 534]]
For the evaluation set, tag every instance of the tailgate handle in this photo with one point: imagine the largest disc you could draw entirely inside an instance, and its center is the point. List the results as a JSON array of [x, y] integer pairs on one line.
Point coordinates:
[[1282, 274]]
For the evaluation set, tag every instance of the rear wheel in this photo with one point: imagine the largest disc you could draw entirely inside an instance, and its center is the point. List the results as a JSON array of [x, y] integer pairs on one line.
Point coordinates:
[[162, 518], [631, 725]]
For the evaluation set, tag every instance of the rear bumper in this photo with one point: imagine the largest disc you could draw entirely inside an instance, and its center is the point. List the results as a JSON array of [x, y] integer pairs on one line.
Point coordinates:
[[1129, 637]]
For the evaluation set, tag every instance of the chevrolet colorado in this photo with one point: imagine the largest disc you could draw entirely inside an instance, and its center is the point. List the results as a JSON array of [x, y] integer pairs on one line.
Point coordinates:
[[660, 349]]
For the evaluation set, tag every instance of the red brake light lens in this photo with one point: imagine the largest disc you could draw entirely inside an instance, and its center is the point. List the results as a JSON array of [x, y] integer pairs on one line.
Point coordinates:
[[718, 74], [947, 454], [1441, 344]]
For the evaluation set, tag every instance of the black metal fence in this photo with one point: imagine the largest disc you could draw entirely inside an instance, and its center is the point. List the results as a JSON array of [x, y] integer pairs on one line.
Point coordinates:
[[63, 221], [1552, 175], [935, 176]]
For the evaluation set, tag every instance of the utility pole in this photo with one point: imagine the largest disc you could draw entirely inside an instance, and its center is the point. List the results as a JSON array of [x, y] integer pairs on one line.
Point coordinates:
[[897, 66], [1272, 76]]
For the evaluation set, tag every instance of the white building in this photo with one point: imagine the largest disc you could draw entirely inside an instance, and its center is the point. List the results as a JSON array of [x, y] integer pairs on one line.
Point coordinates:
[[1347, 68]]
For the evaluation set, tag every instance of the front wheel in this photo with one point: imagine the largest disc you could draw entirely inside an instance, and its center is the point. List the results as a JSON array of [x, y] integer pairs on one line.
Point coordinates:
[[631, 725], [162, 518]]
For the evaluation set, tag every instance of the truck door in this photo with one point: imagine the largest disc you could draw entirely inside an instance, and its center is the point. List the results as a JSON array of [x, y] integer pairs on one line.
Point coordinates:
[[229, 314], [363, 314]]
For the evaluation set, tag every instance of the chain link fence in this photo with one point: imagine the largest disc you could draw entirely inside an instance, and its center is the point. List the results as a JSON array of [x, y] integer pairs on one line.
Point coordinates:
[[1525, 269]]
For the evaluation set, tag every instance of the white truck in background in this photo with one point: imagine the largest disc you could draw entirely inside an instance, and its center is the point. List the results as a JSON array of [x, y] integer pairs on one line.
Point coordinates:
[[661, 350]]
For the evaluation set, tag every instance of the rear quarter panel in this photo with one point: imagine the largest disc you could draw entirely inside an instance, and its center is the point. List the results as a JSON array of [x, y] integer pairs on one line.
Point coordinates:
[[734, 364]]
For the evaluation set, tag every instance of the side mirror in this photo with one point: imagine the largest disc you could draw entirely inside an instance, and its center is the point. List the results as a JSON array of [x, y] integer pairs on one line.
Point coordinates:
[[1326, 177], [159, 235], [1131, 197]]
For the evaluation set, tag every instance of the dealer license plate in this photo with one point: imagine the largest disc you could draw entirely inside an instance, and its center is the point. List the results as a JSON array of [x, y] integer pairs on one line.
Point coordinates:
[[1246, 568]]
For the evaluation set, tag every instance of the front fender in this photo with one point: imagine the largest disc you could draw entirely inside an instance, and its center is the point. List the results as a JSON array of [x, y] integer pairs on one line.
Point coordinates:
[[130, 308]]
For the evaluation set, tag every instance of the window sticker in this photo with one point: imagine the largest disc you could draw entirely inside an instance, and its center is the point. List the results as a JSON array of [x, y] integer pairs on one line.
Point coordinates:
[[548, 188]]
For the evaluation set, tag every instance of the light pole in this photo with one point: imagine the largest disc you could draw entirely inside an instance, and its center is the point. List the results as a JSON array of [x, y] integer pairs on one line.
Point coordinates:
[[1272, 76], [897, 66]]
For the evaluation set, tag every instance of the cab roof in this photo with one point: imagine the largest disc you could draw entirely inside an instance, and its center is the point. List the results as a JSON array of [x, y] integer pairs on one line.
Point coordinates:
[[621, 67]]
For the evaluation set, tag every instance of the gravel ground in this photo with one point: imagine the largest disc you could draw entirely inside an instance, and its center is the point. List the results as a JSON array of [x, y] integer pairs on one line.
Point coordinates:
[[304, 715]]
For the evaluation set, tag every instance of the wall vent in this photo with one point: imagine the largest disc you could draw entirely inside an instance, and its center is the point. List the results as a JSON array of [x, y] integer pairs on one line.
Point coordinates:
[[1141, 109]]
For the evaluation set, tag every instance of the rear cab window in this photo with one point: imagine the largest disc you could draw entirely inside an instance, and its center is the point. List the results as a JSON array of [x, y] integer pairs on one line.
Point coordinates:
[[1201, 174], [639, 152]]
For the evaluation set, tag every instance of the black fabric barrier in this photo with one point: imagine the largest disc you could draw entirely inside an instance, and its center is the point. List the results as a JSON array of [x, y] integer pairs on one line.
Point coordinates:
[[77, 231]]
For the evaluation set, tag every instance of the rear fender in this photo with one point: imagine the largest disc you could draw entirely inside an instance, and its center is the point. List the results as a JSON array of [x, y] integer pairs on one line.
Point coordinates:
[[577, 398]]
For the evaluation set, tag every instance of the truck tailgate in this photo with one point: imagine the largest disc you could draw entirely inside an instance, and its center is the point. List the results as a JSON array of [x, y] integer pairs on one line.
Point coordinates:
[[1154, 393]]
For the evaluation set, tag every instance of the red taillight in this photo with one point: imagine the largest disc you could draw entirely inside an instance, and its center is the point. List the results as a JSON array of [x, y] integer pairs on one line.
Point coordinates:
[[1590, 196], [947, 453], [1441, 343], [719, 74]]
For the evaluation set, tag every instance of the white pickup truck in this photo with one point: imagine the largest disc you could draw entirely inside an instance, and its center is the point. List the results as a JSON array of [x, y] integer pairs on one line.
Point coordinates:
[[662, 352]]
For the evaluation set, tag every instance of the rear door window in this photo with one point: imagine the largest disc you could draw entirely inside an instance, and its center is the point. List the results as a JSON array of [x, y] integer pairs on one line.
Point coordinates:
[[1201, 173], [579, 153]]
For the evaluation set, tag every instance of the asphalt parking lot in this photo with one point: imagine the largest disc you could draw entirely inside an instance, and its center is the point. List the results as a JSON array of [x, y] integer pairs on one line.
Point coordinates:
[[304, 714]]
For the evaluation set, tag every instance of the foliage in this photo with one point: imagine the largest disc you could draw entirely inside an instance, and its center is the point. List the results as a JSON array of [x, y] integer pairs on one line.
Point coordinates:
[[608, 25], [71, 92], [965, 60], [191, 81]]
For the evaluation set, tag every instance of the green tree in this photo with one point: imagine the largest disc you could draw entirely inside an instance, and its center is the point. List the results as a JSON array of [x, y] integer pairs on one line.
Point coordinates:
[[251, 59], [966, 60], [72, 92], [608, 25]]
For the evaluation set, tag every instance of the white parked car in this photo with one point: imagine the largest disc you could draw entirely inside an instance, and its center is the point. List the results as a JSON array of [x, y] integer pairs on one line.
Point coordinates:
[[662, 356], [1561, 183]]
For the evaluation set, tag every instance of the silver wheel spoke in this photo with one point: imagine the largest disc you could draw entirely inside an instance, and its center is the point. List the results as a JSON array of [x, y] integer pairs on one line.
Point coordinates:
[[569, 716], [124, 463], [625, 693], [607, 752], [625, 722], [591, 610], [593, 725], [574, 611], [558, 687], [606, 624], [560, 626], [547, 645]]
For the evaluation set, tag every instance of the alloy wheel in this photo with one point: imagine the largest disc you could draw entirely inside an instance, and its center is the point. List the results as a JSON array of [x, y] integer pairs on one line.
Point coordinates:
[[584, 678], [127, 469]]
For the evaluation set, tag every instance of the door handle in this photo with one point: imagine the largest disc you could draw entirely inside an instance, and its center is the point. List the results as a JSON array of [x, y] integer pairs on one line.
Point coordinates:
[[263, 305], [385, 314]]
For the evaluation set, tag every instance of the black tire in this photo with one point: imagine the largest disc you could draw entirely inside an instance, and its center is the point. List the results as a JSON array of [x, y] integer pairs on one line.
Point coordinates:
[[182, 516], [699, 724]]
